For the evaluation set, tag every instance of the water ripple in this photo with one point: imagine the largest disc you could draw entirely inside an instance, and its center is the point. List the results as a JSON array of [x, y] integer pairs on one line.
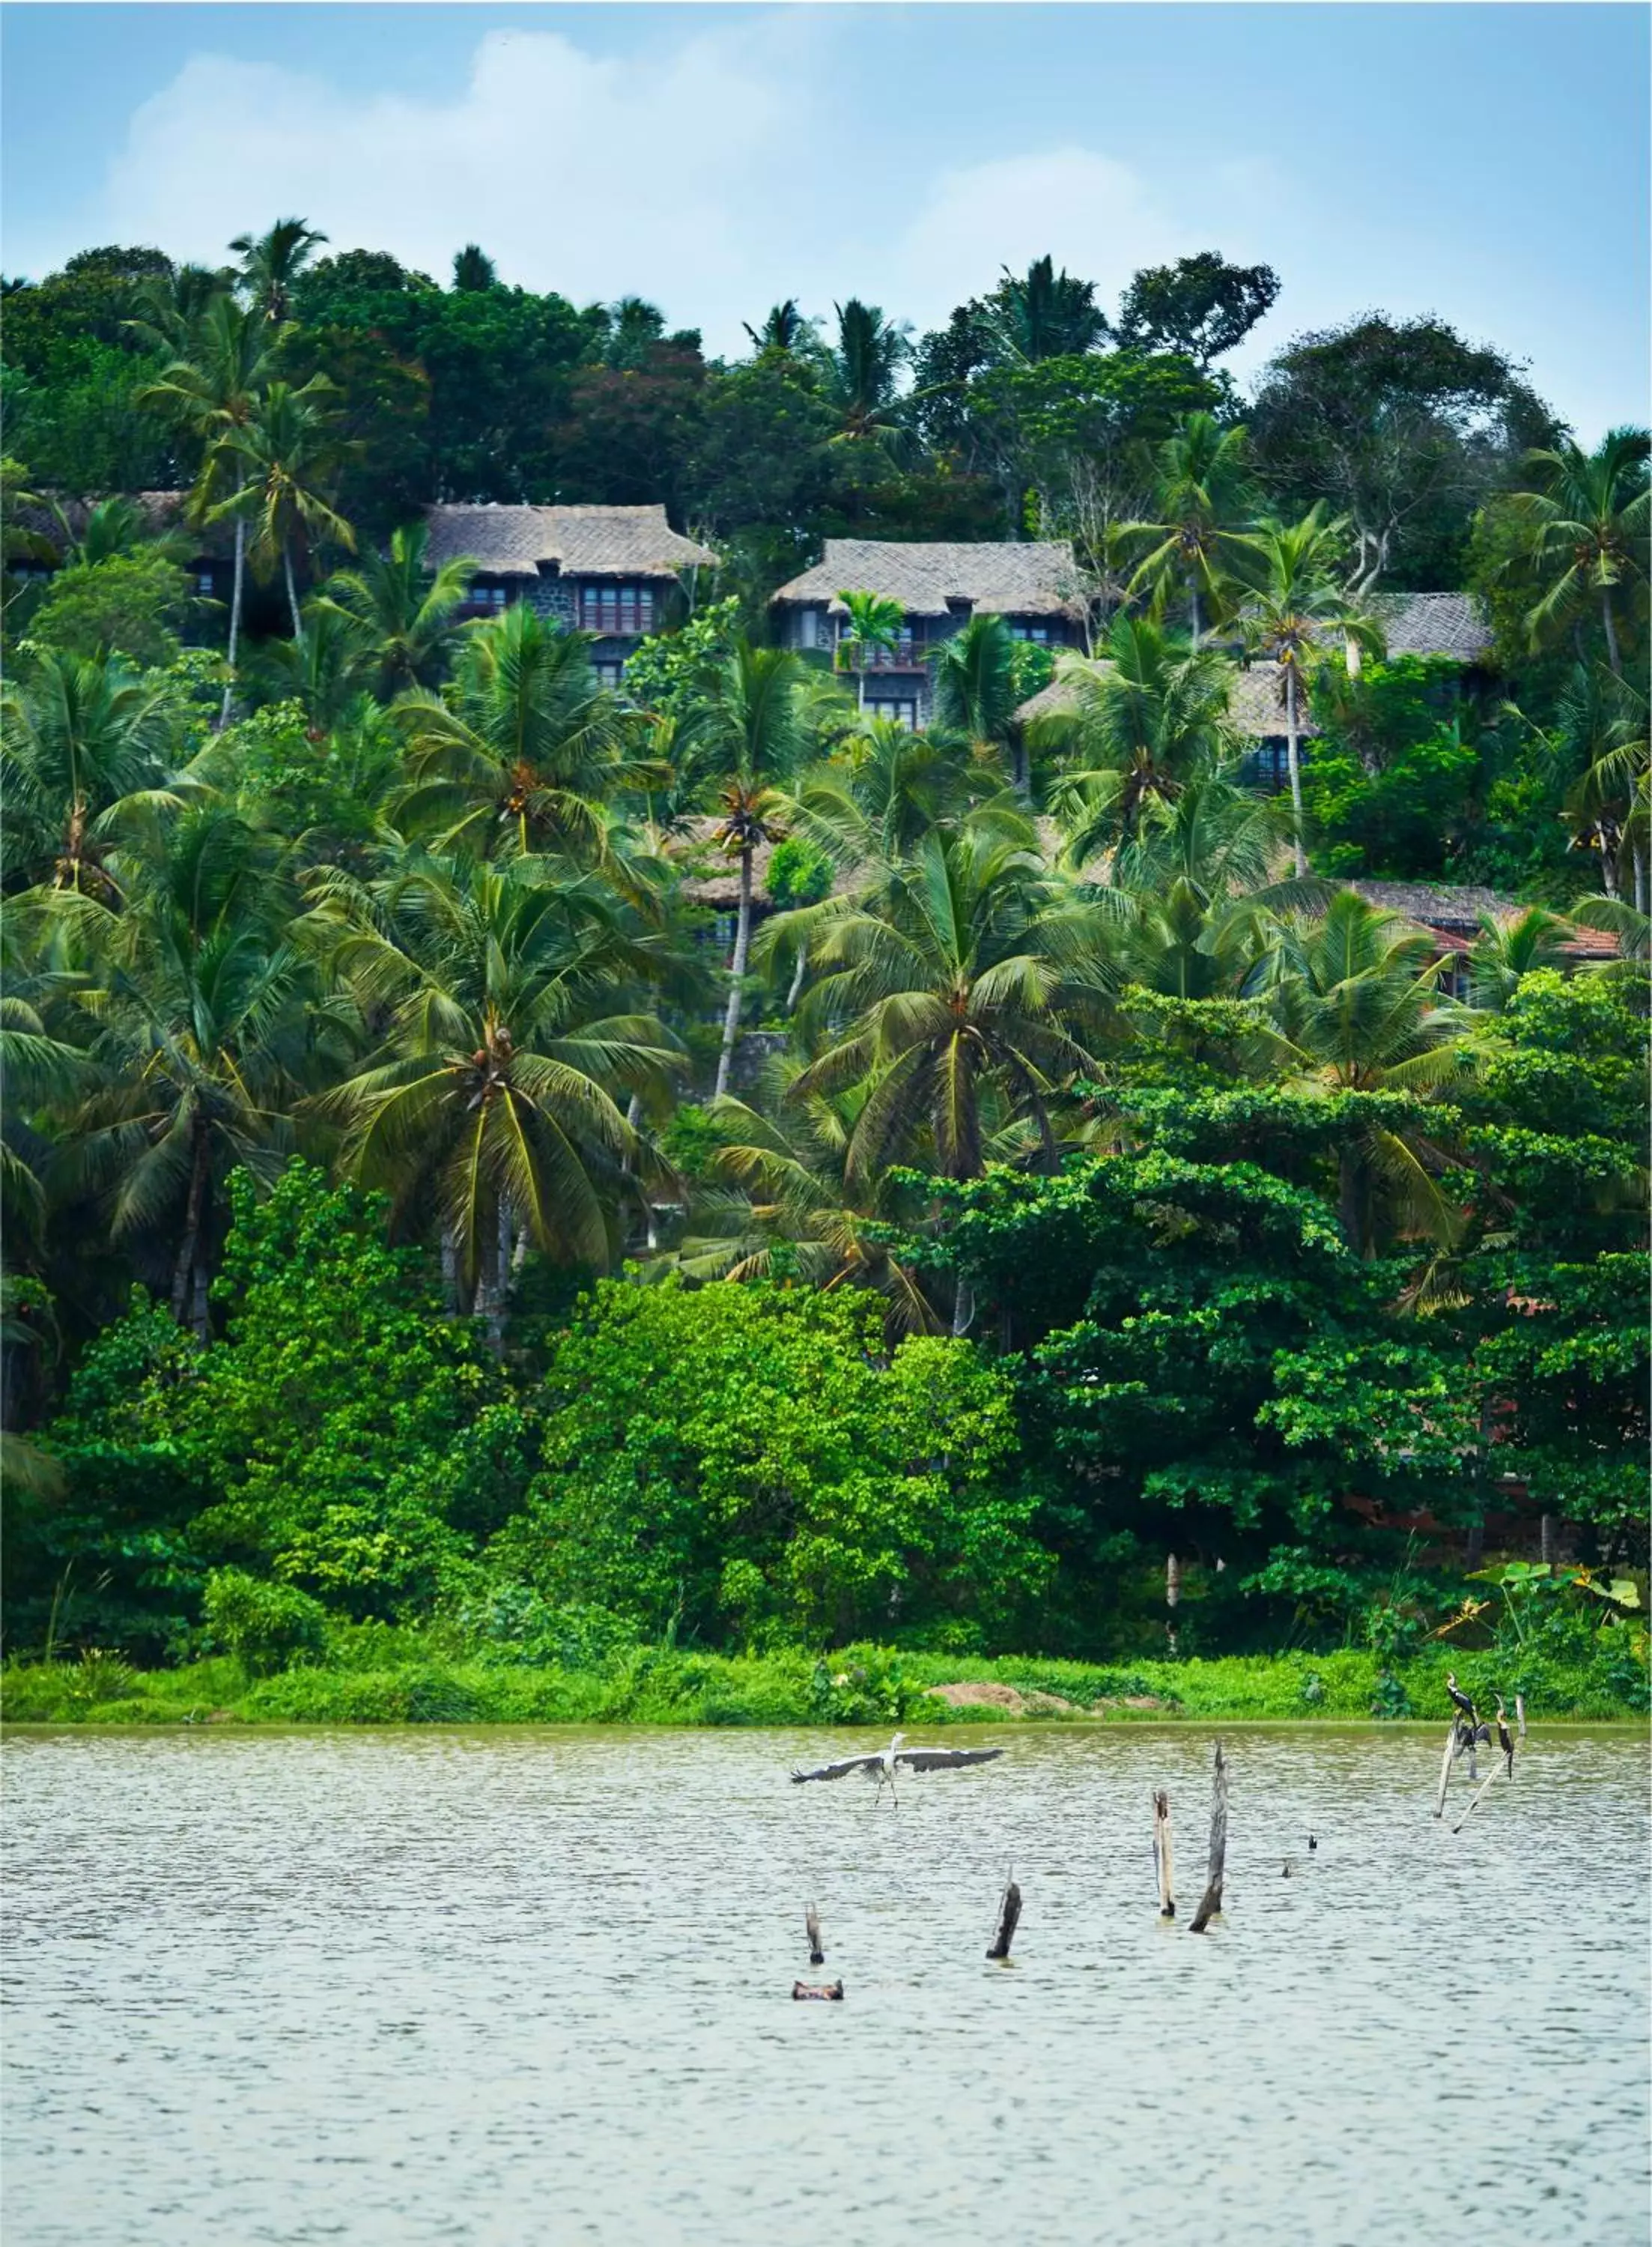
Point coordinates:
[[480, 1987]]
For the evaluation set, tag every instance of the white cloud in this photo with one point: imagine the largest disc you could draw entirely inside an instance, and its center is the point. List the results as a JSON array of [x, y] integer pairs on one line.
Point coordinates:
[[1093, 214], [709, 176], [589, 174]]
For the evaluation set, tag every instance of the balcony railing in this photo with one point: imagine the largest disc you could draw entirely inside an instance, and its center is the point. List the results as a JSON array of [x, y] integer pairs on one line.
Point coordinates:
[[906, 655]]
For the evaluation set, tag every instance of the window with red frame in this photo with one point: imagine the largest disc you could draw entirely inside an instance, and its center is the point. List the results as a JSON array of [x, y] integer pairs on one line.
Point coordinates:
[[617, 610]]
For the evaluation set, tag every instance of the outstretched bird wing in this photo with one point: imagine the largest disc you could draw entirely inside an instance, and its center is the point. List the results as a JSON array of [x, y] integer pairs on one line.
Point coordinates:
[[837, 1770], [945, 1758]]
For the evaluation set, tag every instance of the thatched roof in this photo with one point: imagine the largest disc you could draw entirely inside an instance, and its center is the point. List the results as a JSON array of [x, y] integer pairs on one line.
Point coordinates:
[[1452, 912], [580, 542], [1253, 703], [1432, 623], [1037, 579], [161, 510], [711, 878]]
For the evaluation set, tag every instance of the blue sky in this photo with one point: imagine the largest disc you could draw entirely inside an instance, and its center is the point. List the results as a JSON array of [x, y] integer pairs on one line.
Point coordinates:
[[1487, 163]]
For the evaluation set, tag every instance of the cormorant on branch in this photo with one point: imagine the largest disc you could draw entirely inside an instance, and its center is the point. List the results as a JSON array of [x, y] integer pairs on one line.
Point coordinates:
[[1505, 1740]]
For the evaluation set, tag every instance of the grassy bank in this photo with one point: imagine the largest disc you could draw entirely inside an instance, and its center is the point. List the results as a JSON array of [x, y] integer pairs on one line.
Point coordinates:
[[860, 1685]]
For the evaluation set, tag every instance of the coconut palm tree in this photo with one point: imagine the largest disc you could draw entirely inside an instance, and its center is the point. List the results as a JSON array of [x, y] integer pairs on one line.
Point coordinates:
[[404, 612], [1196, 875], [977, 693], [212, 391], [1043, 314], [776, 1196], [965, 980], [1143, 720], [77, 733], [119, 526], [1587, 514], [1598, 745], [863, 365], [783, 330], [272, 262], [286, 452], [201, 1041], [875, 622], [750, 737], [1294, 608], [328, 672], [881, 792], [1203, 495], [492, 1091], [1355, 993], [1506, 950], [526, 750]]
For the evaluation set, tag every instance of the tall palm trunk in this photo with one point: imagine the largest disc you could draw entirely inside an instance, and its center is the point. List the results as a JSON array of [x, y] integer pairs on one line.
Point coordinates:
[[962, 1309], [292, 594], [1350, 1200], [796, 990], [736, 988], [493, 1289], [236, 592], [1193, 613], [1292, 759], [188, 1291], [1612, 654]]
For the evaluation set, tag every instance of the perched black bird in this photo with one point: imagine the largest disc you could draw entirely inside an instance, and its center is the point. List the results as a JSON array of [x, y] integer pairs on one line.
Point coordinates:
[[811, 1925], [1312, 1843], [1464, 1706], [1505, 1740]]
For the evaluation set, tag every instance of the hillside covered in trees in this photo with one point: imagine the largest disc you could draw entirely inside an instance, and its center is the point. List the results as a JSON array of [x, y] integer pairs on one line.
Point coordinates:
[[570, 1160]]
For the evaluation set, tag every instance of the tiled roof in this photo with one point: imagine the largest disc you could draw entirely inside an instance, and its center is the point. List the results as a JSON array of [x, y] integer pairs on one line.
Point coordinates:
[[583, 541], [1037, 579], [1432, 623]]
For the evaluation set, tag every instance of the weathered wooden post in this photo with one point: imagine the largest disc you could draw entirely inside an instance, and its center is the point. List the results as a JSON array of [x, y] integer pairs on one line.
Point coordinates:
[[1162, 1856], [1474, 1799], [1519, 1712], [811, 1925], [1211, 1902], [1009, 1913], [1547, 1541], [1446, 1761]]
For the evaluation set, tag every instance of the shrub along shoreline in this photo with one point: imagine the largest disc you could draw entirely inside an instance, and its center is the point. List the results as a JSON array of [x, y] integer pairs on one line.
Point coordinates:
[[667, 1686]]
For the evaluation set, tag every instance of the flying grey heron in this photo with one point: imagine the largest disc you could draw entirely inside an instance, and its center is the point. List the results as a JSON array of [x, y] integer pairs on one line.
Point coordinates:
[[883, 1763]]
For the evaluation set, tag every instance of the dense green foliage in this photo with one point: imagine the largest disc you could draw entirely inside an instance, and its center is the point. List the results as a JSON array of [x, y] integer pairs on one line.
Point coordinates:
[[425, 1297]]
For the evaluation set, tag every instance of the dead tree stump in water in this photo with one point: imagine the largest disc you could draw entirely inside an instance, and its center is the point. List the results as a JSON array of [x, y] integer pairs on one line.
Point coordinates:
[[832, 1991], [1009, 1914], [1446, 1761], [1211, 1902], [1162, 1858]]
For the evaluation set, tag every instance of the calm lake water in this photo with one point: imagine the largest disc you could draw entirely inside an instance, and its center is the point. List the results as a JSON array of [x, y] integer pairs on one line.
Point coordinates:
[[512, 1987]]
